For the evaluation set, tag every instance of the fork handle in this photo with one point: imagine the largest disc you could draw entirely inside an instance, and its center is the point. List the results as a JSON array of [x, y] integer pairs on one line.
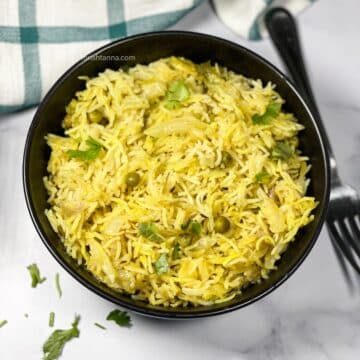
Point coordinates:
[[282, 28]]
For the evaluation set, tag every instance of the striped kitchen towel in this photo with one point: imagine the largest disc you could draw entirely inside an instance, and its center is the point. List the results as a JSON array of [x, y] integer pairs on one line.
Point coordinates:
[[40, 39]]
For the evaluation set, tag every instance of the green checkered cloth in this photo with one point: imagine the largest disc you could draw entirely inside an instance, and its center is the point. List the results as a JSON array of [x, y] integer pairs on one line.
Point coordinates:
[[40, 39]]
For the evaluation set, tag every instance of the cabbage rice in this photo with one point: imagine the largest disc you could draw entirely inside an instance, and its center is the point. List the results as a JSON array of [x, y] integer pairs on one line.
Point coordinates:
[[177, 183]]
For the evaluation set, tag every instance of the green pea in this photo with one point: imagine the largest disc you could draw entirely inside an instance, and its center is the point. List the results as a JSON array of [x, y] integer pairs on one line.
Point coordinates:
[[222, 225], [132, 178], [226, 159]]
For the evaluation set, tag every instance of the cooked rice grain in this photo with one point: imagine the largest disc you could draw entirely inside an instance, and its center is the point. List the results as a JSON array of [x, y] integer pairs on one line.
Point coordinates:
[[181, 179]]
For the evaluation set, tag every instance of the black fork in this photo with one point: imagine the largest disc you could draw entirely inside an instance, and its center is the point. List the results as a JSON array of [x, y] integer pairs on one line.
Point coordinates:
[[343, 217]]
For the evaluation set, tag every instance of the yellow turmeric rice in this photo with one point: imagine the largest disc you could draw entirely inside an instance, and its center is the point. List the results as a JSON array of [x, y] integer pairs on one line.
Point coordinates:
[[177, 183]]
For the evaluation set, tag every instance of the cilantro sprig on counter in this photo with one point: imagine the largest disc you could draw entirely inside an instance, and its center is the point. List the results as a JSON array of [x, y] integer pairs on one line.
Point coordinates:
[[57, 284], [51, 319], [3, 323], [100, 326], [54, 345], [35, 275], [121, 318]]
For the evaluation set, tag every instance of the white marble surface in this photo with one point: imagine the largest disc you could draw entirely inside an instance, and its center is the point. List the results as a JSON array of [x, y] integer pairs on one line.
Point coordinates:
[[311, 316]]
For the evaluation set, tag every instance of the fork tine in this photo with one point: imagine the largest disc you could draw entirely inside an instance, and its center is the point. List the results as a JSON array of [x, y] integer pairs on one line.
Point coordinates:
[[349, 237], [344, 248], [355, 230], [342, 263]]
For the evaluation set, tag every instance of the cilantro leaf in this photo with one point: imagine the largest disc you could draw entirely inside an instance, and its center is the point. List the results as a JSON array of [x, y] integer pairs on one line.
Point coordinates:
[[161, 264], [271, 112], [176, 252], [54, 345], [57, 284], [195, 227], [3, 323], [262, 177], [90, 154], [120, 317], [282, 151], [35, 275], [176, 93], [273, 109], [150, 231]]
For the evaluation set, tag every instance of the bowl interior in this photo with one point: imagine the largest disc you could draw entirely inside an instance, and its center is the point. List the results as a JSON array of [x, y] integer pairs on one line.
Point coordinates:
[[144, 49]]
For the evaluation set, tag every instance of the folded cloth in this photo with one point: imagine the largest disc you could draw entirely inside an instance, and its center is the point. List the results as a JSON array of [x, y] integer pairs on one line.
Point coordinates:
[[245, 17], [40, 39]]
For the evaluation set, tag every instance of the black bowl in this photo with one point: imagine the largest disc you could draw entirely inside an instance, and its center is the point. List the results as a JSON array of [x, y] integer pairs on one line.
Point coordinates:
[[144, 49]]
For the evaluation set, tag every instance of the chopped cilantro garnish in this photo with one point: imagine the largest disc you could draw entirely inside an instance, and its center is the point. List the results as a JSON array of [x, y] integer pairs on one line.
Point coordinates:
[[262, 177], [122, 318], [161, 264], [185, 225], [150, 231], [193, 226], [3, 323], [54, 345], [100, 326], [51, 319], [281, 151], [57, 284], [35, 275], [176, 252], [90, 154], [176, 93], [272, 111]]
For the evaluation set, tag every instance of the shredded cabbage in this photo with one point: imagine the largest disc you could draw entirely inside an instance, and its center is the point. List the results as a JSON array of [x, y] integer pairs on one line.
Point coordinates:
[[177, 152]]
